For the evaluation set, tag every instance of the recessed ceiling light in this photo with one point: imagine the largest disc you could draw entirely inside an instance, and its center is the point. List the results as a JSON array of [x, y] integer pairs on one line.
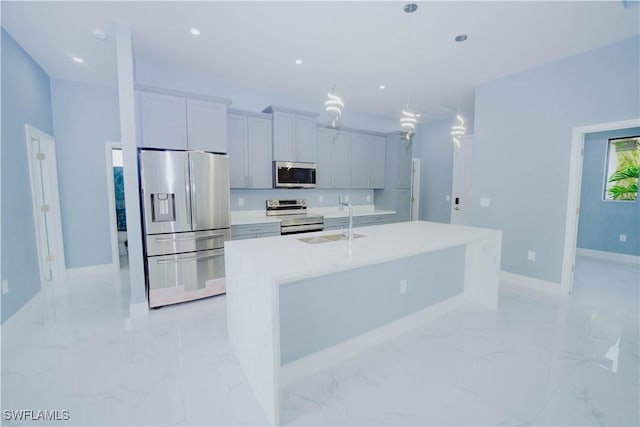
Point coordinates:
[[382, 87], [78, 59], [461, 37], [99, 34], [195, 32], [299, 61]]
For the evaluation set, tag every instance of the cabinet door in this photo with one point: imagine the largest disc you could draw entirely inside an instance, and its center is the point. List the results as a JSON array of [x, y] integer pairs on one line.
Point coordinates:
[[259, 152], [284, 134], [377, 157], [163, 121], [237, 127], [360, 160], [206, 126], [305, 139], [404, 163], [324, 173], [341, 160]]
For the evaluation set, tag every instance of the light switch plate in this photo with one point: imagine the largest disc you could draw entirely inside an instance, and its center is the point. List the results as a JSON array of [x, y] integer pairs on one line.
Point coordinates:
[[5, 286], [320, 198], [403, 286], [623, 237], [447, 198], [531, 256], [368, 198], [485, 201], [240, 201]]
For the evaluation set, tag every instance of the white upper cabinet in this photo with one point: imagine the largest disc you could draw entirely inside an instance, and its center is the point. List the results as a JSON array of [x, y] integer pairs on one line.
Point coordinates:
[[206, 126], [250, 150], [179, 122], [333, 158], [294, 135], [163, 121], [367, 161]]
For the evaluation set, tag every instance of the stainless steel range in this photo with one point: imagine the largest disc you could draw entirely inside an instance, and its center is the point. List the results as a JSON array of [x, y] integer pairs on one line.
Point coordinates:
[[294, 217]]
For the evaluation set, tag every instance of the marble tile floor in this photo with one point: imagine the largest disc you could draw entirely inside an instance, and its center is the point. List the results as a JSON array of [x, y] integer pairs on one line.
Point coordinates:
[[537, 360]]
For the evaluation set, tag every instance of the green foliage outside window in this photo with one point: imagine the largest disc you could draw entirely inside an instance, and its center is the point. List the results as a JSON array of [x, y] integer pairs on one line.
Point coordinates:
[[622, 184]]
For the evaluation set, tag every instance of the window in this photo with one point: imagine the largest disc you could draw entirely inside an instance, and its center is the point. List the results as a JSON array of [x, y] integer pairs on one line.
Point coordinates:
[[623, 161]]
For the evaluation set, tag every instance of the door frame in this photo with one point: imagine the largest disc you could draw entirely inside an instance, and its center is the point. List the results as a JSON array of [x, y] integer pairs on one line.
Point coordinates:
[[573, 194], [415, 189], [113, 220], [54, 226], [465, 166]]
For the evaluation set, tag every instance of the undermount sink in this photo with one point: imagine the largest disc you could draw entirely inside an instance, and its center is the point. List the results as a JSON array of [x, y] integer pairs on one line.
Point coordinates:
[[328, 238]]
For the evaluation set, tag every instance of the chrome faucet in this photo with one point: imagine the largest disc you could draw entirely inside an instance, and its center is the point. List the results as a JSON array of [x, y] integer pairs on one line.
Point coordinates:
[[341, 204]]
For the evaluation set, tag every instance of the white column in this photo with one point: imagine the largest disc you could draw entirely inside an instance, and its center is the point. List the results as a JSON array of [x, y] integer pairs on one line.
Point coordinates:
[[138, 303]]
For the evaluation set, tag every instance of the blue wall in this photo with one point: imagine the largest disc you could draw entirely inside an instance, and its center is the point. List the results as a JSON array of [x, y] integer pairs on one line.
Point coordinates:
[[602, 222], [85, 116], [522, 140], [26, 99]]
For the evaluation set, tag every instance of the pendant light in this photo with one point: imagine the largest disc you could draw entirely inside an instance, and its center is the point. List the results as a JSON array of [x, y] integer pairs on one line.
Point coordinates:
[[408, 119], [334, 106], [458, 129]]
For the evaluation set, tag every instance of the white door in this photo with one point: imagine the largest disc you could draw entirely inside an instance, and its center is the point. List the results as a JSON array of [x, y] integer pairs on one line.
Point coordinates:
[[46, 203], [415, 189], [461, 186]]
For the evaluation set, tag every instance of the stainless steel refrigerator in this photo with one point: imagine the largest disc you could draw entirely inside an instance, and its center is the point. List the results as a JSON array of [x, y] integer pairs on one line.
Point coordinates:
[[186, 220]]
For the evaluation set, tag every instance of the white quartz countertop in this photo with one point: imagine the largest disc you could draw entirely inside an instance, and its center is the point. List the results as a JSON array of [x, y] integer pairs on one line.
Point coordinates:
[[285, 258], [259, 217]]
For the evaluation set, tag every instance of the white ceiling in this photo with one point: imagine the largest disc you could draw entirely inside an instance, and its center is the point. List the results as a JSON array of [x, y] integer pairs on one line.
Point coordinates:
[[355, 45]]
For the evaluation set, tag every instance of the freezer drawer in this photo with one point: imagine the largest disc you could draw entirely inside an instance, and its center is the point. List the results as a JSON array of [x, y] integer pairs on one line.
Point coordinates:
[[173, 243], [185, 277]]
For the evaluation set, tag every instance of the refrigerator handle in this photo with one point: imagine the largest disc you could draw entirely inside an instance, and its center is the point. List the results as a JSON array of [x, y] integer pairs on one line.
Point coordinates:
[[192, 180], [187, 188]]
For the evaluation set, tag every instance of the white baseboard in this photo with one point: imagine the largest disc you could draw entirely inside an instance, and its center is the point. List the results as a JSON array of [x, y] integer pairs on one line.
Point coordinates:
[[531, 283], [138, 310], [91, 270], [608, 256], [299, 369]]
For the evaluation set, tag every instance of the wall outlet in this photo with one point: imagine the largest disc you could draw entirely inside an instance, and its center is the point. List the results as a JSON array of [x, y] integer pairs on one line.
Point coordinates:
[[346, 199], [5, 286], [447, 198], [240, 201], [368, 198], [531, 256], [623, 237], [403, 286], [485, 201], [320, 198]]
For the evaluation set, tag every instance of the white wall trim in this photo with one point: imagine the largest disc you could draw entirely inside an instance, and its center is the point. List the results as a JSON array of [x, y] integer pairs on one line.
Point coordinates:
[[137, 310], [519, 281], [415, 189], [91, 270], [113, 226], [58, 266], [573, 194], [608, 256]]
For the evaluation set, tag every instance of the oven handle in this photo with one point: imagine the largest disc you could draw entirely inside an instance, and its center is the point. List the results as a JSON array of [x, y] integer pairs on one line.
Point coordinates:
[[174, 260]]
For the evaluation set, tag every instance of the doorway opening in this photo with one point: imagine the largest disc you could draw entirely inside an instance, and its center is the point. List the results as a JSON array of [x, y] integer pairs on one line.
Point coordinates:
[[117, 208], [574, 193]]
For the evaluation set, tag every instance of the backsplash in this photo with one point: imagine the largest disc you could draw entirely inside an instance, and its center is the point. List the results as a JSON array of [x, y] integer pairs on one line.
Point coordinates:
[[255, 199]]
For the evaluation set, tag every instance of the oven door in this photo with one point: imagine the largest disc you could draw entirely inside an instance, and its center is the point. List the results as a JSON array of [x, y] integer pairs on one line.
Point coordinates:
[[294, 175], [297, 229]]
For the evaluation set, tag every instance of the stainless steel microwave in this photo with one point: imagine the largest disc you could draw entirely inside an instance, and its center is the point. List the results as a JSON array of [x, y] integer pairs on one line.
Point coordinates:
[[294, 175]]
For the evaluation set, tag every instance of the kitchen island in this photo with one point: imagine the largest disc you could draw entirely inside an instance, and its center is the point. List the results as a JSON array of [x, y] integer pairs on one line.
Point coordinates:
[[294, 308]]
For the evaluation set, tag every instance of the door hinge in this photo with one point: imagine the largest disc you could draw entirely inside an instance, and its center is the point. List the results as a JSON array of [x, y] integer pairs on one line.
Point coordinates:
[[45, 208], [50, 258], [40, 156]]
